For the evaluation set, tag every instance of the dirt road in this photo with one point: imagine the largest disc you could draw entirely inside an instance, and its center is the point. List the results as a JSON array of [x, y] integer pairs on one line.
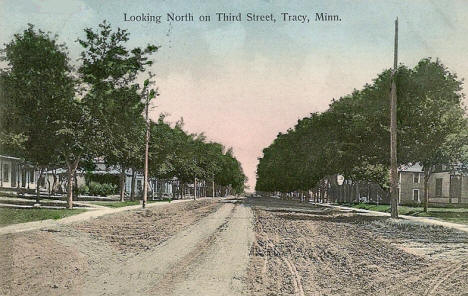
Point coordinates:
[[236, 247], [303, 250], [193, 248]]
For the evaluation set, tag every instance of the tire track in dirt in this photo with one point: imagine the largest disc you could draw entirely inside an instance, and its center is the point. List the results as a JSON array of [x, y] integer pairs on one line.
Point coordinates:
[[296, 277], [141, 272], [442, 276], [221, 268], [217, 243], [179, 271]]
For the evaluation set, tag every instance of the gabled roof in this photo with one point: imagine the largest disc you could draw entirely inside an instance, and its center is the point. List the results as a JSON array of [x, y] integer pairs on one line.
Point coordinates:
[[453, 168]]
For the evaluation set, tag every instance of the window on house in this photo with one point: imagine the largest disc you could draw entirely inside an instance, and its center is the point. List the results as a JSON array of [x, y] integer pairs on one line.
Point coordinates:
[[416, 195], [6, 172], [438, 187], [415, 177]]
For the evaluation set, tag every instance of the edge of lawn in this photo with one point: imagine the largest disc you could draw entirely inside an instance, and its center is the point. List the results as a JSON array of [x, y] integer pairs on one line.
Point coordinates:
[[448, 214], [10, 216]]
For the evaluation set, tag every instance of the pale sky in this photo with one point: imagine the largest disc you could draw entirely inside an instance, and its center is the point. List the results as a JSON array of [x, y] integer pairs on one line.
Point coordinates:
[[241, 83]]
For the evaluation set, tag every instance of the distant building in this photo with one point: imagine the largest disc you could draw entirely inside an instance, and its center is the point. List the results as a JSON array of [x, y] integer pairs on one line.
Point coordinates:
[[446, 186], [104, 174], [17, 175], [336, 188]]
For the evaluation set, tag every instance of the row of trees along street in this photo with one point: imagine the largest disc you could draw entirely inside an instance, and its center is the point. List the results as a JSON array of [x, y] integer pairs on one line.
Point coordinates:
[[352, 137], [55, 113]]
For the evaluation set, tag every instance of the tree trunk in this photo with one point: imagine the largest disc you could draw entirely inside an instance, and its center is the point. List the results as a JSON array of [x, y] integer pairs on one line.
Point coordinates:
[[69, 188], [427, 174], [75, 180], [71, 172], [160, 189], [358, 193], [48, 187], [122, 183], [195, 189], [174, 190], [132, 186], [38, 182], [54, 184]]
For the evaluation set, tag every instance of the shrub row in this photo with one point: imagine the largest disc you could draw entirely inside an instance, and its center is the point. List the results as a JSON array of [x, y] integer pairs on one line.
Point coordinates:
[[97, 189]]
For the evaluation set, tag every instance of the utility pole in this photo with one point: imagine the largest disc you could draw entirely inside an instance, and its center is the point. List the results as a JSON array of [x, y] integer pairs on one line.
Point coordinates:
[[195, 189], [393, 133], [148, 95], [145, 182]]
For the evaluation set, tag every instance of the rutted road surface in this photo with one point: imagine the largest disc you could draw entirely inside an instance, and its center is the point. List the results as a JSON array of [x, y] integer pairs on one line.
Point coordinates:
[[192, 248], [208, 258], [305, 250], [236, 247]]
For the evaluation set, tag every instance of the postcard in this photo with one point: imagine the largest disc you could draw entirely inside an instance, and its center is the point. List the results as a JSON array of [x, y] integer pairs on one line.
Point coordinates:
[[233, 147]]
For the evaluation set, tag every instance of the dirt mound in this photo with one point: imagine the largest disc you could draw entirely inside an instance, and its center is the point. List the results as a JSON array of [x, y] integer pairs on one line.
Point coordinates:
[[136, 231]]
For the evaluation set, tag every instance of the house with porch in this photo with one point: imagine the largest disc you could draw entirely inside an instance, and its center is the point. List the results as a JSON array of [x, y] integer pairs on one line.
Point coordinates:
[[16, 174], [57, 180]]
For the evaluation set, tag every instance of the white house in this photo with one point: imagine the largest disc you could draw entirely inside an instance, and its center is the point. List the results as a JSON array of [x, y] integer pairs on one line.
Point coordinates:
[[16, 174]]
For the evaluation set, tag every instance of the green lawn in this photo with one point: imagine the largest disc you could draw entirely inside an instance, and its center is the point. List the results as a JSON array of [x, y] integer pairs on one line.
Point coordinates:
[[13, 216], [119, 204], [455, 215]]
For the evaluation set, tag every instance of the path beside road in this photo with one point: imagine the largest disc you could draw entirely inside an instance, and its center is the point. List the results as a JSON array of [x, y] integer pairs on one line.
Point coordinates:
[[427, 220], [94, 213]]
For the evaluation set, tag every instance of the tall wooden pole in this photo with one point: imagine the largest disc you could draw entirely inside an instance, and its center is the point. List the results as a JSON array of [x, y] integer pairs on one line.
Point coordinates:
[[393, 134], [145, 181]]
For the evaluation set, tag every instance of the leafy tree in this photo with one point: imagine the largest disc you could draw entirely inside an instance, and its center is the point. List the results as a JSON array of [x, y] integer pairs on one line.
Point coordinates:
[[231, 173], [110, 71], [439, 124], [37, 82], [352, 137], [175, 153], [76, 140]]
